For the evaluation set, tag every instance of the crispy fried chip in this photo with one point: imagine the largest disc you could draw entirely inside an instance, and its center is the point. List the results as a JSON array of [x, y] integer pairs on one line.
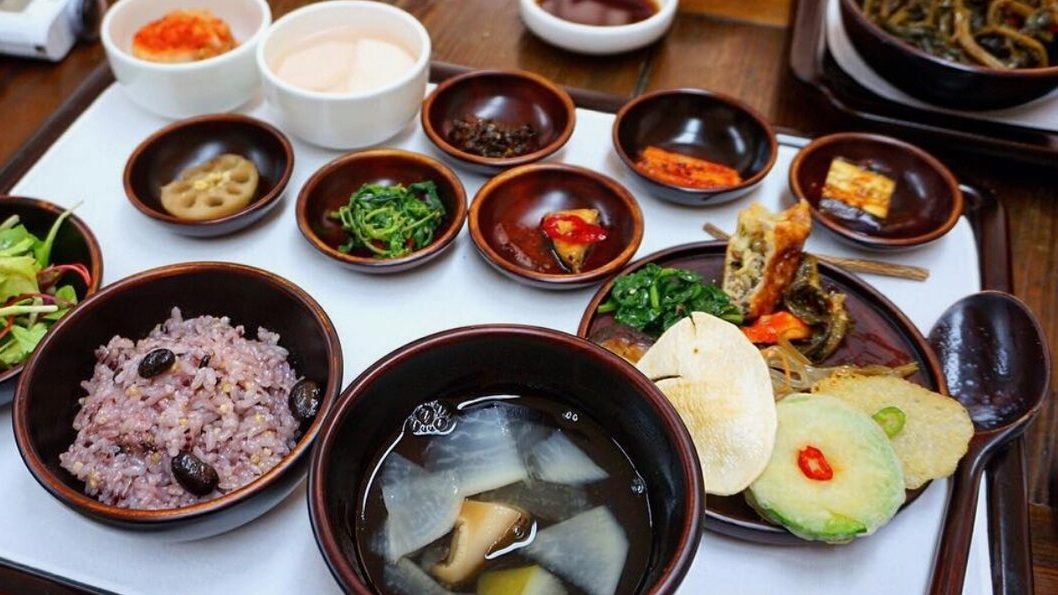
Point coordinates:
[[718, 382], [937, 429]]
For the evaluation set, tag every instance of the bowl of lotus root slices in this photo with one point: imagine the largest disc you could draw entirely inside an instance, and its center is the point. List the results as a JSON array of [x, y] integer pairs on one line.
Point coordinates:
[[211, 175]]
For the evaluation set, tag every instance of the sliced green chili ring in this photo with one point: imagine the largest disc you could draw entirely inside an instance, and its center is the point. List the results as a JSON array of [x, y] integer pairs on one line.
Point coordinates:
[[892, 420]]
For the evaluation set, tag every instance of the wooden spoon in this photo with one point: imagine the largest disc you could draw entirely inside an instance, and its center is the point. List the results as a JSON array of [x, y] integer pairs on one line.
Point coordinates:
[[997, 364]]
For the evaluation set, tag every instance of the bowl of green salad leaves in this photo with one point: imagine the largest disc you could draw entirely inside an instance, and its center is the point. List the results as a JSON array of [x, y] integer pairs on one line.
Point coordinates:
[[382, 211], [49, 262]]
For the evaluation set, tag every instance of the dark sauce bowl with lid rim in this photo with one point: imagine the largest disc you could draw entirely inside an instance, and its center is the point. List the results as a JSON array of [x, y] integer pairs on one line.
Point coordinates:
[[46, 400], [507, 359]]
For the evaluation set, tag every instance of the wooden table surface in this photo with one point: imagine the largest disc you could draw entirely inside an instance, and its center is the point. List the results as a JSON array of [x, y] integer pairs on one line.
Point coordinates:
[[715, 50]]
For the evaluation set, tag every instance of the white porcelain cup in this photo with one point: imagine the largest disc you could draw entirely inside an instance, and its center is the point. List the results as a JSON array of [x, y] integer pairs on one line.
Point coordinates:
[[218, 84], [346, 120], [595, 39]]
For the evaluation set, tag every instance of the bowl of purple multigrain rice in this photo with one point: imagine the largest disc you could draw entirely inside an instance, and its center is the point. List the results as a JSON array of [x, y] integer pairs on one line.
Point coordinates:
[[182, 400]]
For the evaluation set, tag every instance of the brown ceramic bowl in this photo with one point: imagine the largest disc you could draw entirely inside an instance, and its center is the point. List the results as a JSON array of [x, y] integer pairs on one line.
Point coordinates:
[[926, 204], [331, 186], [164, 155], [75, 244], [699, 124], [484, 360], [881, 334], [505, 223], [939, 81], [510, 97], [47, 395]]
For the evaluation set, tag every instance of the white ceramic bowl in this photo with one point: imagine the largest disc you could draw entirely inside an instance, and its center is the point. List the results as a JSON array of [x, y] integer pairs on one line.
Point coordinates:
[[346, 120], [218, 84], [598, 40]]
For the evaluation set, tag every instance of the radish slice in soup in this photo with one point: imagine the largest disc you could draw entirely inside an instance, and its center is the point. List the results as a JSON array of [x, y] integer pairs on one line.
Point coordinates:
[[588, 550], [550, 502], [422, 506], [481, 452], [405, 578], [558, 460]]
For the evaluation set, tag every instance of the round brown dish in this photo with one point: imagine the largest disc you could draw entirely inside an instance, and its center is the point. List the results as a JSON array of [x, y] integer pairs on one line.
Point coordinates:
[[937, 80], [75, 244], [164, 155], [702, 125], [510, 98], [330, 188], [46, 400], [926, 203], [882, 334], [506, 359], [506, 215]]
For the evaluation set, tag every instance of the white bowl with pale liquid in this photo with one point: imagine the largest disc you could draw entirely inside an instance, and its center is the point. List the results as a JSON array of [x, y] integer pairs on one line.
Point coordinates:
[[348, 119]]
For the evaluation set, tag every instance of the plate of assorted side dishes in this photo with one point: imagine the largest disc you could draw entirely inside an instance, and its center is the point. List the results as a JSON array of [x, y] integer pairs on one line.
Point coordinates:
[[744, 387]]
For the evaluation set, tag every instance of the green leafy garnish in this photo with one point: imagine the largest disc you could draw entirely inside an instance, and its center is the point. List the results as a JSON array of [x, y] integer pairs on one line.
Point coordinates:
[[390, 221], [654, 298], [892, 420], [31, 298]]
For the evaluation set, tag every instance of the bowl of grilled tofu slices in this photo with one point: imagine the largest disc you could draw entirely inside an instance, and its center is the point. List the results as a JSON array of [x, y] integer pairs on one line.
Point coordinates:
[[876, 192]]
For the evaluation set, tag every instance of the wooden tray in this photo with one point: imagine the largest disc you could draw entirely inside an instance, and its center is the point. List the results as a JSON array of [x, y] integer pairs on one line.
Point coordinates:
[[812, 63], [1008, 509]]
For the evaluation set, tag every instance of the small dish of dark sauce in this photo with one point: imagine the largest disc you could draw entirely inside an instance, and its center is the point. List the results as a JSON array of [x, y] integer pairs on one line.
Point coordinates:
[[604, 13]]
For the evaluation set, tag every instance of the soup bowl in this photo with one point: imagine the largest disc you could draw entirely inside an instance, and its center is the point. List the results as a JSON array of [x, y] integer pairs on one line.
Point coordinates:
[[506, 359], [698, 124], [346, 120], [46, 401], [75, 243]]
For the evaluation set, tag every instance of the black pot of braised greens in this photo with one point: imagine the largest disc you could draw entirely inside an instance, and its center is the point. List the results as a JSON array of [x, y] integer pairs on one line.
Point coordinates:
[[973, 56]]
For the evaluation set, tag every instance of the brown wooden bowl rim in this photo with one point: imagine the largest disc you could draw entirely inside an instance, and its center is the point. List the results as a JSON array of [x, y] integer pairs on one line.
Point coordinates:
[[850, 7], [322, 527], [727, 100], [82, 502], [499, 162], [95, 255], [557, 279], [868, 239], [258, 205], [420, 256], [933, 366]]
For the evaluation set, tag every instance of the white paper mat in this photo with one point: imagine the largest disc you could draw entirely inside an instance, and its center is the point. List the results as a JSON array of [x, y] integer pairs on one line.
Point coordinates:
[[277, 553], [1041, 114]]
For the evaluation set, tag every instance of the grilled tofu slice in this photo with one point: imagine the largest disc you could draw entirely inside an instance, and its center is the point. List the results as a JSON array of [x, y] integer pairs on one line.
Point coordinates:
[[859, 187], [572, 254], [762, 256]]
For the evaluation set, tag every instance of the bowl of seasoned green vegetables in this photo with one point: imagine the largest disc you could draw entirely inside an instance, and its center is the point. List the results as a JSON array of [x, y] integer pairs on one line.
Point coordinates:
[[382, 211], [49, 261]]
